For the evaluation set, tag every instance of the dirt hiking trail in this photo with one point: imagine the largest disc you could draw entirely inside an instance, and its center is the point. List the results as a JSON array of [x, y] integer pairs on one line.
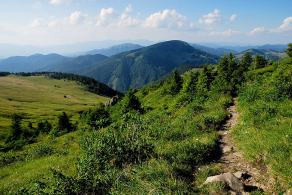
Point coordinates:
[[240, 176]]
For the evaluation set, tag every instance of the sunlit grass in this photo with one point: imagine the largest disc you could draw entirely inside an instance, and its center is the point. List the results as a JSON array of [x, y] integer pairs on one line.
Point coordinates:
[[38, 98]]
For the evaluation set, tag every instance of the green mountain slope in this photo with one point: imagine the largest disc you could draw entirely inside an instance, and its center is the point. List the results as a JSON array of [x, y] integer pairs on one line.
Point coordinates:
[[40, 97], [268, 54], [136, 68]]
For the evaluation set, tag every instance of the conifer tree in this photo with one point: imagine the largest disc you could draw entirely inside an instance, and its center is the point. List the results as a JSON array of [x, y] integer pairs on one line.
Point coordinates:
[[16, 130], [289, 50]]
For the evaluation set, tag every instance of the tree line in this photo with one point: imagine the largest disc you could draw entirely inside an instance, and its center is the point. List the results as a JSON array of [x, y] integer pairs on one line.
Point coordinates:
[[90, 84]]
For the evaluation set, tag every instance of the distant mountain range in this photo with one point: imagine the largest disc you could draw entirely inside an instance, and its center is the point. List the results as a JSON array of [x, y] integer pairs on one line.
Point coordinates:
[[73, 50], [56, 62], [214, 51], [30, 63], [270, 52], [267, 53], [129, 65], [134, 69], [114, 49], [238, 49]]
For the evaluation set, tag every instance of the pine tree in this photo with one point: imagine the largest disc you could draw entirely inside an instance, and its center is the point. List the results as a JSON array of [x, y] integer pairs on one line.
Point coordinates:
[[64, 123], [202, 84], [175, 83], [289, 50], [16, 130], [131, 102], [246, 61], [259, 62]]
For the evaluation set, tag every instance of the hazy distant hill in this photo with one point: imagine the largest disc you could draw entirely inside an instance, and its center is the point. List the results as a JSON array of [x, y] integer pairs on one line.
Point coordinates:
[[30, 63], [238, 49], [136, 68], [268, 54], [214, 51], [74, 65], [51, 62], [115, 49], [278, 48]]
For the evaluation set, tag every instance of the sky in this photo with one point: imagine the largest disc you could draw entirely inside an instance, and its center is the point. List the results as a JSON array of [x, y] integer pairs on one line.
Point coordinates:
[[57, 22]]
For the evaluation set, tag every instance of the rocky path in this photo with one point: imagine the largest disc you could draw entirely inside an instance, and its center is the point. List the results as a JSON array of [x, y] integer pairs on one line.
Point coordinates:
[[241, 176]]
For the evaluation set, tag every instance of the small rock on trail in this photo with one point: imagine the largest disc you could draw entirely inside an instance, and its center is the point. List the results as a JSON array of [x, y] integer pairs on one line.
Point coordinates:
[[229, 179]]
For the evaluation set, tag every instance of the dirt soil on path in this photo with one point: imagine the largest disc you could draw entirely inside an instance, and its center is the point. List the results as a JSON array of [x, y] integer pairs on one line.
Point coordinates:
[[253, 176]]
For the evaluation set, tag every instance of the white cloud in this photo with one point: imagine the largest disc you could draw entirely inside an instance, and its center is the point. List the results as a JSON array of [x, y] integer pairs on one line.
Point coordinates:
[[226, 33], [59, 2], [230, 32], [165, 19], [77, 18], [257, 30], [106, 17], [232, 17], [286, 24], [53, 23], [129, 9], [211, 18], [126, 20], [37, 22]]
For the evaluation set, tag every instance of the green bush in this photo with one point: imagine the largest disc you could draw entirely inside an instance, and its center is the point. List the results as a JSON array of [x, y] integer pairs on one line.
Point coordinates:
[[41, 151], [44, 126], [64, 123], [283, 79], [16, 129], [97, 118], [173, 83], [131, 102], [104, 156], [7, 158]]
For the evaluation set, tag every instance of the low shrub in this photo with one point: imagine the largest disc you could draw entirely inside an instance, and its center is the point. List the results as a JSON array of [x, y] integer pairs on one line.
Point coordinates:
[[96, 118], [41, 151]]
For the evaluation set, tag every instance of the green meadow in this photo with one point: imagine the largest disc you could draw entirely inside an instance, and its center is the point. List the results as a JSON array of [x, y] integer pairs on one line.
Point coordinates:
[[37, 98]]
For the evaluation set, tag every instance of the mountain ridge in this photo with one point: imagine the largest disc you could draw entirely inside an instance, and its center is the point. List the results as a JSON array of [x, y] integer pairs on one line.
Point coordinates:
[[136, 68]]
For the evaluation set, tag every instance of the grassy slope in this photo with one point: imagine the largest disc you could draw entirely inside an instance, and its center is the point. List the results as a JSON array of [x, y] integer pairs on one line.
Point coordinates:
[[40, 98], [182, 139], [32, 167], [264, 132]]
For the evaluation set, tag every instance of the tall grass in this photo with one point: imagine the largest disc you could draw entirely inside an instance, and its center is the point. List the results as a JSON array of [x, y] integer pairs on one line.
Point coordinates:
[[264, 132]]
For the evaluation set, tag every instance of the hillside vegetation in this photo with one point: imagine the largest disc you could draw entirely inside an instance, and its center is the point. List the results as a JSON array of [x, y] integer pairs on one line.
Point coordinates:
[[145, 147], [265, 106], [39, 98], [162, 138], [136, 68]]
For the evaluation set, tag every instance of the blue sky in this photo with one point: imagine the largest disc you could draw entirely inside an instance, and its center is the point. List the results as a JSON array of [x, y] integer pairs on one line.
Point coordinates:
[[52, 22]]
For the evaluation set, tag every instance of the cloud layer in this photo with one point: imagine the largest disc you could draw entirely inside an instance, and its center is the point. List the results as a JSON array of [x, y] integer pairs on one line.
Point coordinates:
[[127, 23]]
